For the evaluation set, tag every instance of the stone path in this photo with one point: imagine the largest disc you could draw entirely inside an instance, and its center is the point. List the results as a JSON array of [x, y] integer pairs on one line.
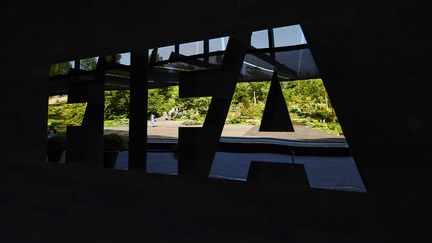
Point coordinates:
[[169, 129]]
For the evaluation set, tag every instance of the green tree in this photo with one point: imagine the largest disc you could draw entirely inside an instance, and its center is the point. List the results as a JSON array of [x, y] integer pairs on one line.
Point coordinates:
[[242, 94], [251, 93], [308, 102], [63, 115], [88, 63], [162, 100], [116, 104], [60, 69]]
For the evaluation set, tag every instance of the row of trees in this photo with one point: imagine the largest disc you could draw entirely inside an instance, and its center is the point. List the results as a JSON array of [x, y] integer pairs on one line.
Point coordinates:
[[85, 64], [307, 101]]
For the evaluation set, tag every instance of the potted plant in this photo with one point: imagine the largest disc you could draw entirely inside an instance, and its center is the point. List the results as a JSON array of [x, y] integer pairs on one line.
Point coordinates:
[[113, 143], [55, 146]]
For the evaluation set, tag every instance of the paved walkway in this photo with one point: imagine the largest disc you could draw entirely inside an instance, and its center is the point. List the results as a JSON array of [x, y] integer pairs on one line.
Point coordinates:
[[169, 129]]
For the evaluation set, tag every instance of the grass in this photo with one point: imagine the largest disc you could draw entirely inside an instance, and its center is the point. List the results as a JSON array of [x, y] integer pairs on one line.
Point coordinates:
[[116, 123]]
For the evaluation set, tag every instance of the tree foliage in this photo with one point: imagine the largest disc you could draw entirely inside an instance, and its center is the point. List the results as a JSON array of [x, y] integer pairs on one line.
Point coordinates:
[[63, 115], [88, 64], [60, 69], [116, 104], [307, 101]]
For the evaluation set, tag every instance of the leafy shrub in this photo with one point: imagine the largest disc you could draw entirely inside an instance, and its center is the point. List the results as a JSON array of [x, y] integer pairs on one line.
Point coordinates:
[[114, 141], [253, 111], [322, 115], [63, 115], [295, 110], [196, 117], [192, 122], [234, 120], [252, 122]]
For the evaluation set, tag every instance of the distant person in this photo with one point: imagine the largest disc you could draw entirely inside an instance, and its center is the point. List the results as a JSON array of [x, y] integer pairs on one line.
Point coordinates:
[[152, 120], [171, 113]]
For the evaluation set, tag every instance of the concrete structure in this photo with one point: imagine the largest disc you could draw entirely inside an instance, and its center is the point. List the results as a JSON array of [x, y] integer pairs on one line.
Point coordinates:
[[374, 58]]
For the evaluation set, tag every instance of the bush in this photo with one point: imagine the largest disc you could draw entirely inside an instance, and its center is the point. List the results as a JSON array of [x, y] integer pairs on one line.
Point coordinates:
[[114, 141], [253, 111], [191, 123], [234, 120], [63, 115], [253, 122], [295, 110], [322, 115]]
